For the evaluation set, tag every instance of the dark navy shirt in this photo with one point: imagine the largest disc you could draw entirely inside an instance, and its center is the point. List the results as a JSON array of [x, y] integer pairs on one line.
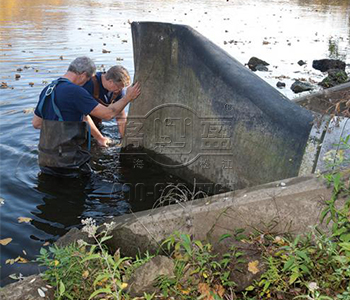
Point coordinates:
[[72, 100], [104, 94]]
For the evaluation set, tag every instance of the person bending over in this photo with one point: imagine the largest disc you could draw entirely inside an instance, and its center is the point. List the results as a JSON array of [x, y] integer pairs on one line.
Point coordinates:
[[60, 113], [107, 88]]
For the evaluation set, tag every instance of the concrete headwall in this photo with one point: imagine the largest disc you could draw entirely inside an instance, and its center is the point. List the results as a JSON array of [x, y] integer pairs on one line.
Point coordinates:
[[290, 205], [204, 115]]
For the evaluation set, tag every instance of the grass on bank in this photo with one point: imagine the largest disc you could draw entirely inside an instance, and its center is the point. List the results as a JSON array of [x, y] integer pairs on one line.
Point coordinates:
[[312, 266]]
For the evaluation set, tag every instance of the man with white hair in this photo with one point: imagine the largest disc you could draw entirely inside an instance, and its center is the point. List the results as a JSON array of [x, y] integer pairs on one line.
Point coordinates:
[[62, 108]]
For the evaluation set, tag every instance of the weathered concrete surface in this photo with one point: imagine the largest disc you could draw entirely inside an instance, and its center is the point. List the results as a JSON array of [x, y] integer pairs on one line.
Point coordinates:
[[293, 205], [338, 130], [145, 276], [204, 115], [30, 288], [321, 101], [326, 145], [312, 150]]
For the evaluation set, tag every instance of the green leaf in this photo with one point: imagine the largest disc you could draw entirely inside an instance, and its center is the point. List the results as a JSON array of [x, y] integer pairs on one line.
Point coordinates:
[[305, 269], [345, 237], [296, 241], [105, 238], [293, 278], [249, 288], [303, 255], [100, 291], [199, 244], [92, 256], [324, 214], [337, 182], [288, 264], [186, 243], [43, 251], [266, 285], [224, 236], [345, 246], [62, 288], [101, 277]]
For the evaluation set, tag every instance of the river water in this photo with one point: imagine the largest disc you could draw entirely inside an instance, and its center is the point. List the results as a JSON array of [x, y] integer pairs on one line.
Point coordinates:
[[39, 38]]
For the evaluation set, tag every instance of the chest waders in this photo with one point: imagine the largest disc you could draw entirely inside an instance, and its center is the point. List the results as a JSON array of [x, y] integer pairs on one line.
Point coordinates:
[[96, 95], [62, 143]]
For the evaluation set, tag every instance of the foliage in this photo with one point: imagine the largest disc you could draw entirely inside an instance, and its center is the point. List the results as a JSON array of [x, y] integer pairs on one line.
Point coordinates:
[[313, 266], [88, 271], [198, 271]]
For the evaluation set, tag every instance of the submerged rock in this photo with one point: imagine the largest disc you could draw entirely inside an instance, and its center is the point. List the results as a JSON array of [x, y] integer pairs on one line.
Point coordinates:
[[301, 63], [257, 64], [280, 84], [324, 65], [261, 68], [335, 77], [300, 86]]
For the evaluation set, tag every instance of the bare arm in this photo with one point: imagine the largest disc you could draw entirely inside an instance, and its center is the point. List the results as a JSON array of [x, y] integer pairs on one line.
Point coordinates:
[[121, 120], [116, 108], [103, 141], [37, 121]]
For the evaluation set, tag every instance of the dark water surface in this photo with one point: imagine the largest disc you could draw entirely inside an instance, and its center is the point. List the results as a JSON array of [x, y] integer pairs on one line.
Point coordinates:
[[41, 37]]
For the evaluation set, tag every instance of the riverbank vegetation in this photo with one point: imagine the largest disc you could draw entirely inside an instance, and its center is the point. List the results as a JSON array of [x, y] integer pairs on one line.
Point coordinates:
[[312, 266]]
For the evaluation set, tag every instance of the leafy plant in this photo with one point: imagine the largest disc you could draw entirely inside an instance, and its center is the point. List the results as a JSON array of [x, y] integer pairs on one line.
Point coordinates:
[[85, 271], [196, 268]]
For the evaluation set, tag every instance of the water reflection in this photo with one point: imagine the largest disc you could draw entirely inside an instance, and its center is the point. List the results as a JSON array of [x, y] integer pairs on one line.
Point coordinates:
[[61, 197]]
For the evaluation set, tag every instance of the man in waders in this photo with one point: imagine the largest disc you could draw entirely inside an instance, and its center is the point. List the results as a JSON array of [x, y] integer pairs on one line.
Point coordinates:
[[62, 108], [107, 88]]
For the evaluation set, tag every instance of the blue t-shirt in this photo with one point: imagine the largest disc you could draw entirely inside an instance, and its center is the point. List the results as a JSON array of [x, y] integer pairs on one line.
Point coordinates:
[[104, 94], [72, 100]]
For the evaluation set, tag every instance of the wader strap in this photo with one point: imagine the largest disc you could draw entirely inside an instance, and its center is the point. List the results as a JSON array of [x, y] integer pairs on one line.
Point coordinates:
[[51, 92], [89, 136], [96, 92]]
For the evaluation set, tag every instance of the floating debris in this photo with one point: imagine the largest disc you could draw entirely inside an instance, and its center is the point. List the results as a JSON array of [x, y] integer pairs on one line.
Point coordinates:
[[24, 220], [4, 85], [124, 41], [19, 70], [17, 76], [105, 51], [6, 241], [119, 59], [41, 293], [31, 83], [61, 57]]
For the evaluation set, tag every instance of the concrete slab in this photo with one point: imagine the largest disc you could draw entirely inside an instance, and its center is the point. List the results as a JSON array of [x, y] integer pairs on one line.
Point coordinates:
[[292, 205]]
